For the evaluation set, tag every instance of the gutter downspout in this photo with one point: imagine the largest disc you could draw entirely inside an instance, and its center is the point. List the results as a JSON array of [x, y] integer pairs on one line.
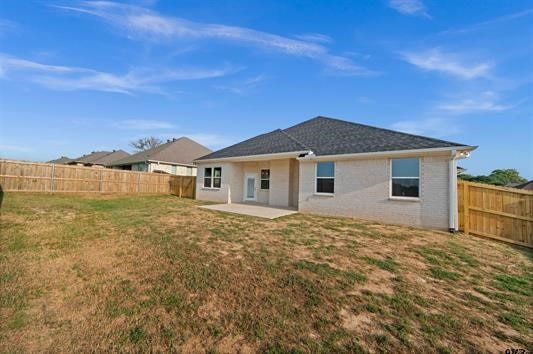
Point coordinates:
[[453, 213]]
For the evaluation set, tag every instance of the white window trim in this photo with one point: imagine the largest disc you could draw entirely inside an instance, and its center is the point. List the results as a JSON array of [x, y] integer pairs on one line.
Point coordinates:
[[397, 197], [212, 178], [316, 177], [261, 179]]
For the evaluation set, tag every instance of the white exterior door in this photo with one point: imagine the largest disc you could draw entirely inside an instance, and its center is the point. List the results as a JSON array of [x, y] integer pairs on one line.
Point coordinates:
[[249, 187]]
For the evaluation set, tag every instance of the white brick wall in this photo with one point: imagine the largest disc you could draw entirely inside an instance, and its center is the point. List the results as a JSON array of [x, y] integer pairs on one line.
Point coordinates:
[[362, 191], [279, 182], [224, 194], [294, 190], [232, 188]]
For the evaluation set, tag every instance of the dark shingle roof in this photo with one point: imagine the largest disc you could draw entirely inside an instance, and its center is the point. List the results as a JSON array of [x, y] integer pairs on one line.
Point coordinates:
[[329, 136], [270, 143], [109, 159], [180, 151], [527, 186], [104, 158], [61, 160]]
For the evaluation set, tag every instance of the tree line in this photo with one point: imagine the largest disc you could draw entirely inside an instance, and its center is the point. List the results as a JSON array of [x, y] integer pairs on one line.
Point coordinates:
[[500, 177]]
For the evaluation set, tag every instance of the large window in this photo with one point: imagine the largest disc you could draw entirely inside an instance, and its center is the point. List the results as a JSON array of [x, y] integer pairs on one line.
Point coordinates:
[[325, 177], [212, 177], [265, 179], [405, 178]]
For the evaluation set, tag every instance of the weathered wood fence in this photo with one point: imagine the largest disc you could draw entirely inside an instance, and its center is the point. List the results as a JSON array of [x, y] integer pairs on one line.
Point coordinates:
[[501, 213], [17, 176]]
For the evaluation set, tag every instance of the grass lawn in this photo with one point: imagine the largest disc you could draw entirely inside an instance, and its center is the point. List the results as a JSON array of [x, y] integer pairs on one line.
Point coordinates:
[[158, 273]]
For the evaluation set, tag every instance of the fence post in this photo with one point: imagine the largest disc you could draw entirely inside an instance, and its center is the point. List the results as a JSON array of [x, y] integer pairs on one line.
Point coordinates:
[[52, 178], [100, 184], [181, 186], [466, 208], [138, 182]]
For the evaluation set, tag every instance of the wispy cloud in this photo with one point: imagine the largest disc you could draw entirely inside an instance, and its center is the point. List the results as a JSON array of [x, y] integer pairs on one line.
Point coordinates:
[[10, 63], [7, 26], [453, 64], [244, 86], [409, 7], [144, 124], [142, 22], [486, 102], [314, 37], [71, 78], [437, 127], [488, 23], [365, 100], [5, 149]]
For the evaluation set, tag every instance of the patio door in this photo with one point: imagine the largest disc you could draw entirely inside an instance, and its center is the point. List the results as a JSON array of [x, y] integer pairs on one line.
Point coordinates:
[[249, 187]]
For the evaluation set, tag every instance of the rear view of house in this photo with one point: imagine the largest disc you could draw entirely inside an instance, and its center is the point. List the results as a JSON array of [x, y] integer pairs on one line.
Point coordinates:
[[175, 157], [334, 167]]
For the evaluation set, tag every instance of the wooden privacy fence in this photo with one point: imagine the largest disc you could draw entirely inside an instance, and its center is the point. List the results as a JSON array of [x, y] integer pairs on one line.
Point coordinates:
[[505, 214], [17, 176], [183, 186]]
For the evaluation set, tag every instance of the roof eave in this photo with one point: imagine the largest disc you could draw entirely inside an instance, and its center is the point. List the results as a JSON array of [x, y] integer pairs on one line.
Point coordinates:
[[395, 153], [173, 163], [156, 161], [277, 156]]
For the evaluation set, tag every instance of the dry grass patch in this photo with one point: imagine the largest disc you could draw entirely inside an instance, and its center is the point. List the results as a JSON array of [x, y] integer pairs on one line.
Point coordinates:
[[158, 273]]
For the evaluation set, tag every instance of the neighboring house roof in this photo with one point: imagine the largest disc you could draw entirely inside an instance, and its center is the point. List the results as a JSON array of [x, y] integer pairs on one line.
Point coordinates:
[[179, 151], [61, 160], [526, 186], [104, 158], [328, 136], [109, 159]]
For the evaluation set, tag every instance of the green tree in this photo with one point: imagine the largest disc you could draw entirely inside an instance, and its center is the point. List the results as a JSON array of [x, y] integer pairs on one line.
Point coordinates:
[[503, 177]]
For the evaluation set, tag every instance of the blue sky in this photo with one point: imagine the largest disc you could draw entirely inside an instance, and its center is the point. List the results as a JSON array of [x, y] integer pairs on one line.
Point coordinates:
[[82, 76]]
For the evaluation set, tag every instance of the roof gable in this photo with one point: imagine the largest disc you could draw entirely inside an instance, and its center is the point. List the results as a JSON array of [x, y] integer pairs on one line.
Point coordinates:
[[274, 142]]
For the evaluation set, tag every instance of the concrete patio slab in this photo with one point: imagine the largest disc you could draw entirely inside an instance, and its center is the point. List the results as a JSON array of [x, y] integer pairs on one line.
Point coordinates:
[[260, 211]]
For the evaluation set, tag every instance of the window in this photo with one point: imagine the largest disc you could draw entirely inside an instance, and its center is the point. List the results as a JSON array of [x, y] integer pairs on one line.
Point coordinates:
[[217, 179], [174, 170], [325, 177], [265, 179], [405, 178], [189, 171], [208, 178], [212, 177]]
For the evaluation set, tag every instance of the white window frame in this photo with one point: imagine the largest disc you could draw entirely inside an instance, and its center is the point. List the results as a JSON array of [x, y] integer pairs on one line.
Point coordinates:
[[396, 197], [261, 179], [212, 178], [316, 178]]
